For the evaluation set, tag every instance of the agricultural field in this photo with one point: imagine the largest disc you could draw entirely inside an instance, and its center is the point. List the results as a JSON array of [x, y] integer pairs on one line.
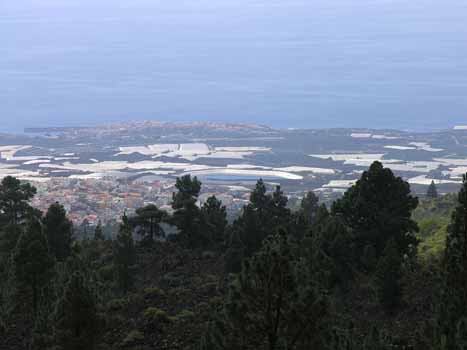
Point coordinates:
[[236, 155]]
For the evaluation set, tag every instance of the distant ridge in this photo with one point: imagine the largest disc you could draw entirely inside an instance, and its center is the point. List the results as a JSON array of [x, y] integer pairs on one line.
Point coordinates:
[[135, 125], [37, 130]]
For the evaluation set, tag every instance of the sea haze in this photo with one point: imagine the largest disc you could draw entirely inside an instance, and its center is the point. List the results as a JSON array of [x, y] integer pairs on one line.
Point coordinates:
[[287, 63]]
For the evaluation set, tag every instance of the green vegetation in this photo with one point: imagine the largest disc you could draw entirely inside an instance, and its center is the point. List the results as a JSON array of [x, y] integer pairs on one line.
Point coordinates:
[[379, 270], [432, 191], [378, 209], [75, 318], [154, 315], [187, 215], [98, 232], [433, 216], [452, 316], [32, 260], [124, 255], [59, 231], [153, 292], [215, 220], [273, 302], [149, 219], [133, 337]]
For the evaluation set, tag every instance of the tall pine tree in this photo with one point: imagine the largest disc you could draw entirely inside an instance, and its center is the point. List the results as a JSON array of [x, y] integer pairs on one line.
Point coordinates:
[[76, 316], [388, 277], [214, 219], [149, 219], [14, 200], [124, 255], [309, 208], [14, 210], [452, 313], [98, 232], [187, 215], [379, 208], [432, 191], [58, 229], [33, 262], [272, 304], [330, 251], [264, 215], [234, 254]]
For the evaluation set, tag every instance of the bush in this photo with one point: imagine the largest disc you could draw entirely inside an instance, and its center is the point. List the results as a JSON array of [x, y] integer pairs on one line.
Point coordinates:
[[172, 279], [216, 301], [175, 292], [106, 273], [133, 337], [114, 320], [135, 298], [153, 292], [154, 315], [185, 315], [117, 304], [211, 278]]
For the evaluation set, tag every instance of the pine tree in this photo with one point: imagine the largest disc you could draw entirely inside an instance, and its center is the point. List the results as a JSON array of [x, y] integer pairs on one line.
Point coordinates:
[[76, 316], [124, 255], [374, 340], [321, 218], [187, 215], [250, 229], [14, 198], [304, 217], [330, 251], [453, 304], [214, 219], [149, 218], [215, 337], [7, 292], [388, 276], [259, 198], [84, 229], [273, 303], [9, 235], [280, 215], [264, 215], [235, 254], [379, 208], [309, 207], [432, 192], [461, 334], [14, 210], [58, 229], [98, 232], [33, 261]]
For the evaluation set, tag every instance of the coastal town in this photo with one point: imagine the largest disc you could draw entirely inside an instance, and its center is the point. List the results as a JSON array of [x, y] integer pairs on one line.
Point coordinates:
[[100, 173], [104, 200]]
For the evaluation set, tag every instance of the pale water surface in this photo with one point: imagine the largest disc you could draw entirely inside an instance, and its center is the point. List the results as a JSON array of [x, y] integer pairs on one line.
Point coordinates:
[[287, 63]]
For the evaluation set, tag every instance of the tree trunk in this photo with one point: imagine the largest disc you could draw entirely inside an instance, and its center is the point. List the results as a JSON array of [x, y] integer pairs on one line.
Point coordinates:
[[34, 296]]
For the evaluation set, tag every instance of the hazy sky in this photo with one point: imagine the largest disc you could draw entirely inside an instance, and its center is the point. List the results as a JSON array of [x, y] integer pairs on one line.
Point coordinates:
[[287, 63]]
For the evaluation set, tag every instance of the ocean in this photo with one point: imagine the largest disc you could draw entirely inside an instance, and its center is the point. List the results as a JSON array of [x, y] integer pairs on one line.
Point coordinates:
[[286, 63]]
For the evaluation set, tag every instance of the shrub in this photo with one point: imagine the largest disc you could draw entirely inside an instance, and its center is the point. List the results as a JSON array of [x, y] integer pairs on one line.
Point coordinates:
[[172, 279], [177, 291], [106, 273], [114, 320], [216, 301], [153, 292], [185, 315], [135, 298], [156, 315], [133, 337], [117, 304], [211, 278]]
